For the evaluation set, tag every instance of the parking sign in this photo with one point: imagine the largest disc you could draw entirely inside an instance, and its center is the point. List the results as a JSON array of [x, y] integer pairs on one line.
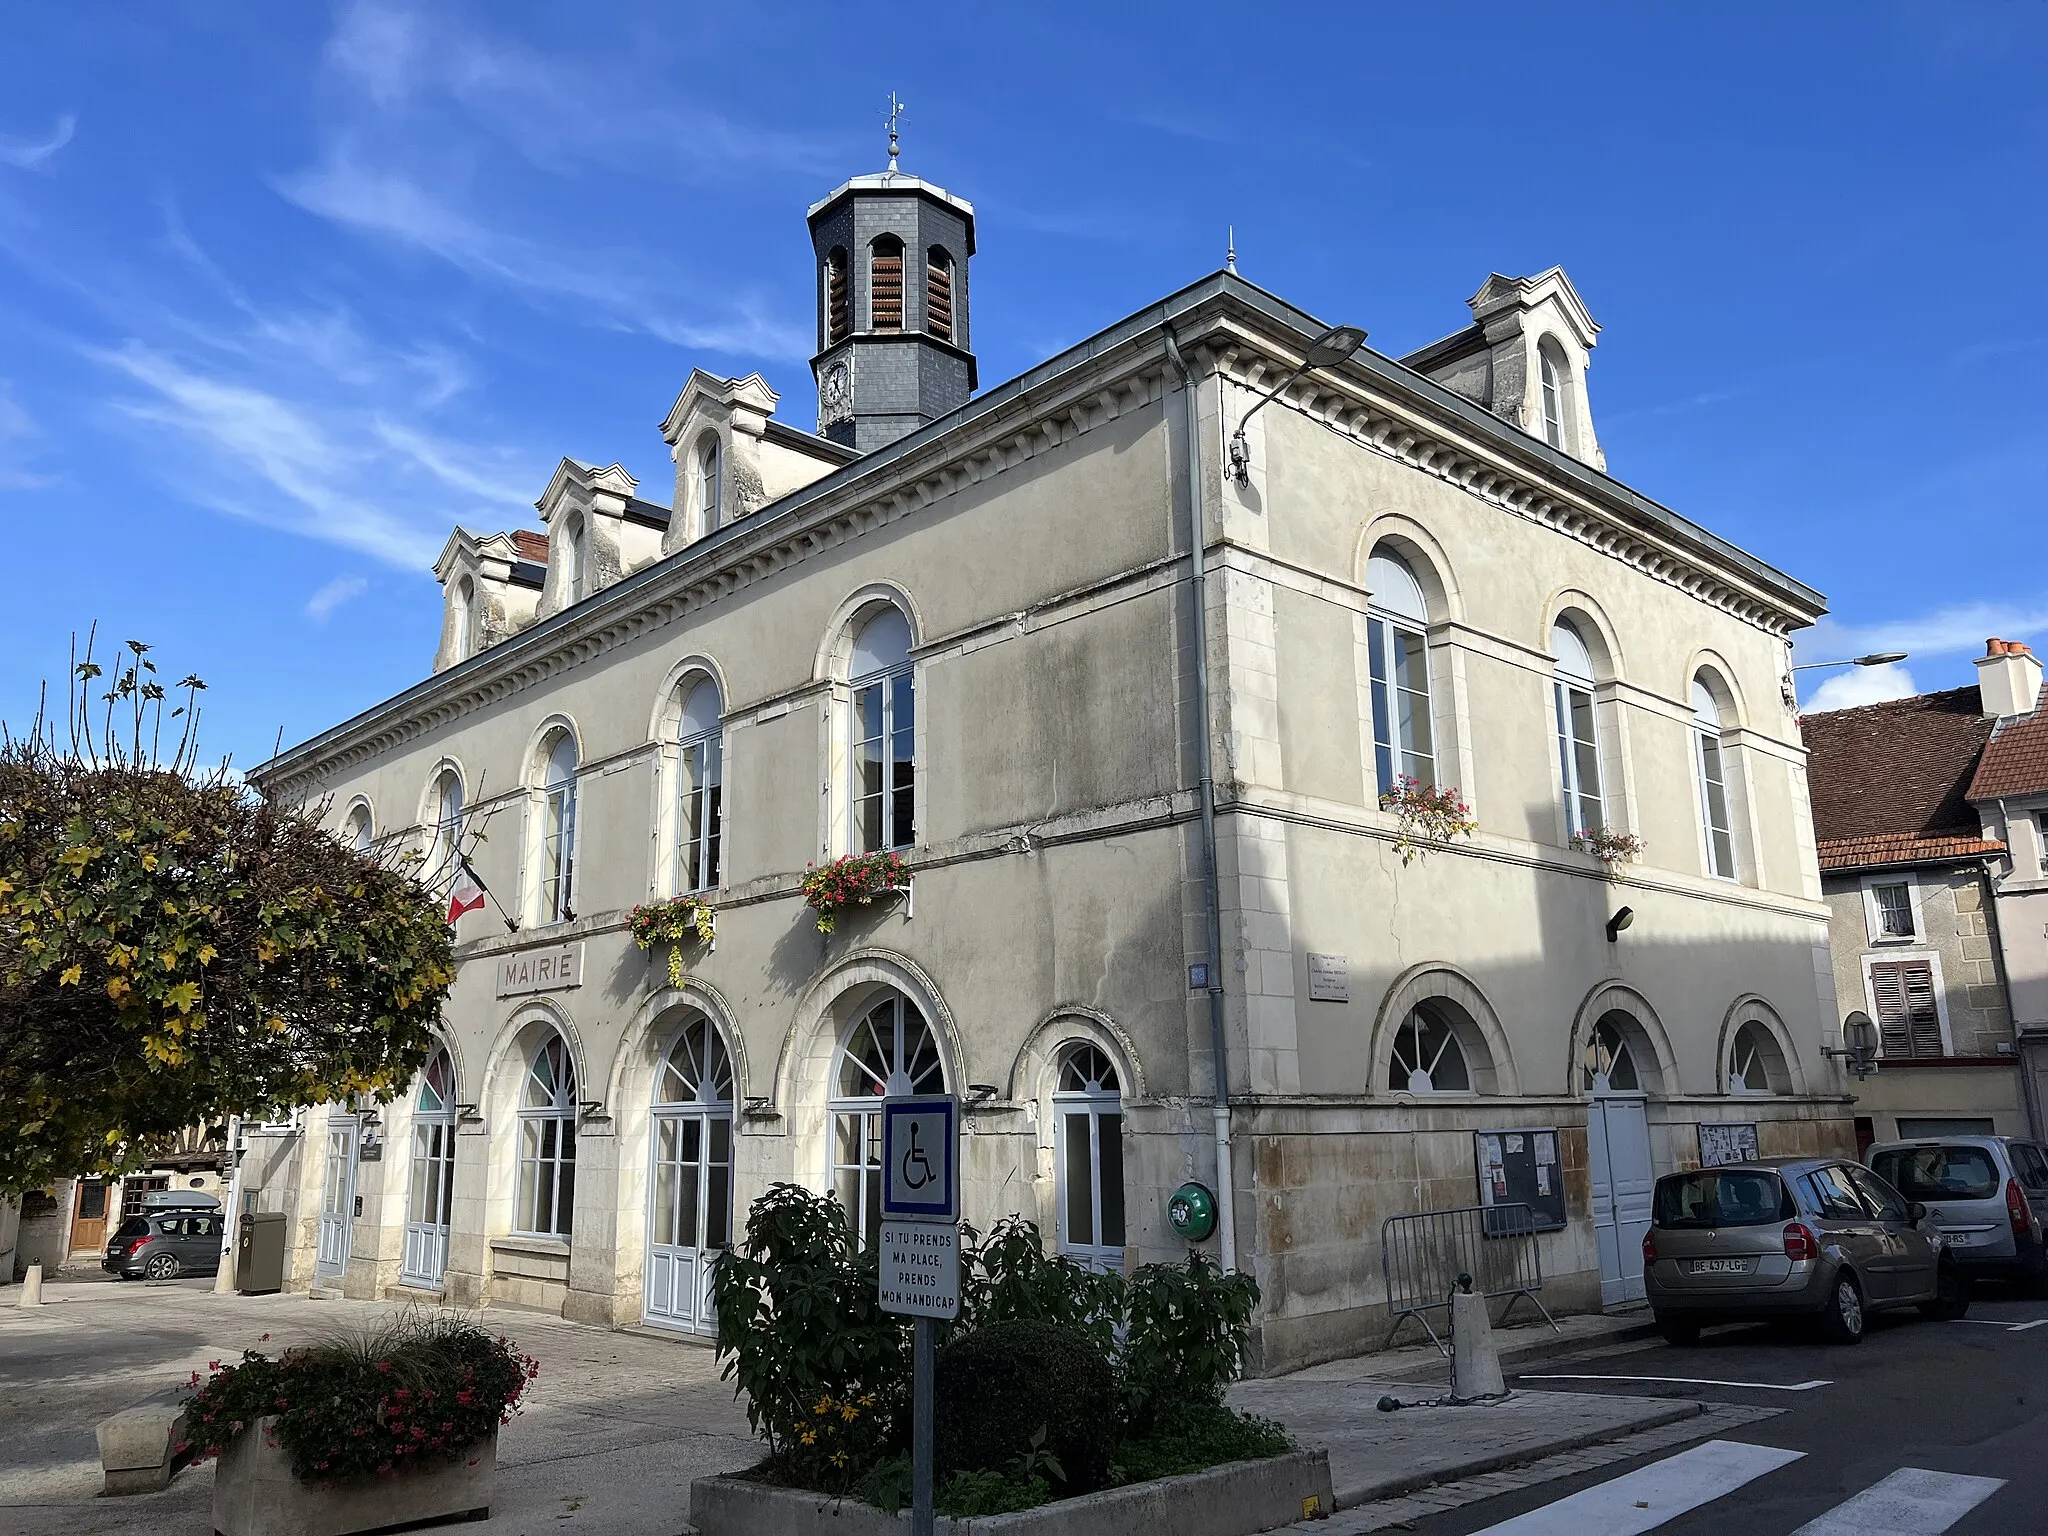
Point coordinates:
[[921, 1158]]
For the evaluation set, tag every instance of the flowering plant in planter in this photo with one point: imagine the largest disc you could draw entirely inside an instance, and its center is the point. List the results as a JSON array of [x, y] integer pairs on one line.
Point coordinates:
[[853, 881], [1610, 847], [1429, 817], [675, 922], [416, 1389]]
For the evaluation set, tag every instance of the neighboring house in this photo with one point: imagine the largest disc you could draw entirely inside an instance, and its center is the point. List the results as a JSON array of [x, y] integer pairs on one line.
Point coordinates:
[[2010, 793], [1909, 876], [977, 629]]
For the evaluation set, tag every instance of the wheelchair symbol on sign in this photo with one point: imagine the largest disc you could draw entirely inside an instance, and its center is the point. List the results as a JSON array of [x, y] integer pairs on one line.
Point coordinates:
[[917, 1168]]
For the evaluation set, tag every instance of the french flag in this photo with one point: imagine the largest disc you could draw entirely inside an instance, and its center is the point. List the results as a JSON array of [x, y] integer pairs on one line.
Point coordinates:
[[467, 894]]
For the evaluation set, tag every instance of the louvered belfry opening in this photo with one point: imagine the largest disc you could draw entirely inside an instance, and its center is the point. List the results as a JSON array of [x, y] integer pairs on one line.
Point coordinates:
[[938, 293], [1908, 1021], [838, 320], [885, 285]]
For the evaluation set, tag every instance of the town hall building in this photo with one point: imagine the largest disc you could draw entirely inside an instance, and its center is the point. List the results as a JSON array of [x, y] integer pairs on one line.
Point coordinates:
[[1147, 690]]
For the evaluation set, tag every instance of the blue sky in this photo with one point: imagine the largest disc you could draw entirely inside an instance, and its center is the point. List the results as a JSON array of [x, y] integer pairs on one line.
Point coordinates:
[[286, 292]]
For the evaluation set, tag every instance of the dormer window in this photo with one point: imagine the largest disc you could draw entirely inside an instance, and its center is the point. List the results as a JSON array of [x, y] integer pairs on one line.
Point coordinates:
[[573, 561], [885, 285], [938, 293], [710, 483], [837, 320], [465, 619], [1553, 370]]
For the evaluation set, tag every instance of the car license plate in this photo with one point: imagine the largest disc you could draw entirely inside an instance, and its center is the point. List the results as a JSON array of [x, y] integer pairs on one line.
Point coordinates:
[[1720, 1266]]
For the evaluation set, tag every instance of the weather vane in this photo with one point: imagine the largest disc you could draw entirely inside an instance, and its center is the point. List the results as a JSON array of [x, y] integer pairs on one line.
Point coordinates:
[[894, 113]]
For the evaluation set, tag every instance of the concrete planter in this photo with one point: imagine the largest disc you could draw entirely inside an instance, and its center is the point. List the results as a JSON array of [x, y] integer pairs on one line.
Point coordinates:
[[1234, 1500], [255, 1494]]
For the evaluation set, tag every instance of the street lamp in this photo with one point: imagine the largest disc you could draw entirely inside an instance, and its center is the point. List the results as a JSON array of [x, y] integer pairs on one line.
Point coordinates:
[[1859, 1047], [1874, 659], [1334, 346]]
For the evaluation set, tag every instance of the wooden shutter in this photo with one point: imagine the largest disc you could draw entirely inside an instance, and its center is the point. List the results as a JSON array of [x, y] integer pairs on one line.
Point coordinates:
[[885, 286], [835, 297], [1908, 1022], [938, 296]]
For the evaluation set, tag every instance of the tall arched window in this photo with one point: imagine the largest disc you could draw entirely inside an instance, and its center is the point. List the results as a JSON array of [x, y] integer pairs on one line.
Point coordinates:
[[359, 833], [884, 735], [558, 829], [575, 561], [710, 484], [1709, 762], [838, 321], [430, 1190], [465, 619], [885, 284], [938, 293], [1578, 735], [1088, 1110], [1554, 374], [890, 1050], [700, 787], [1610, 1064], [690, 1210], [447, 837], [1428, 1056], [1756, 1064], [547, 1142], [1403, 733]]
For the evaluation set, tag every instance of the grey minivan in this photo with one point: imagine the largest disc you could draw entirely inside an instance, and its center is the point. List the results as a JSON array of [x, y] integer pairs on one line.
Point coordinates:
[[1988, 1196], [1791, 1237]]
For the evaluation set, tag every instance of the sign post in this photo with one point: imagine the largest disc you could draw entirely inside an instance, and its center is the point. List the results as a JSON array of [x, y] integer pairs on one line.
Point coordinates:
[[921, 1253]]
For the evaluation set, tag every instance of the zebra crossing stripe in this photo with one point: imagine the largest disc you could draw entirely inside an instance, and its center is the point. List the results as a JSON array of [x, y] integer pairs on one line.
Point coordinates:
[[1644, 1499], [1911, 1502]]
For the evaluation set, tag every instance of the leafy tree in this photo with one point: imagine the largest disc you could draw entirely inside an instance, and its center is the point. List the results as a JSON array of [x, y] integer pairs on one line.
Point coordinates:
[[174, 948]]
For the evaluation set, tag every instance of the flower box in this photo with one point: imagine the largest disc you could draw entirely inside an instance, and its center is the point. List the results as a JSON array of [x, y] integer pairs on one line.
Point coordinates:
[[857, 880], [255, 1494]]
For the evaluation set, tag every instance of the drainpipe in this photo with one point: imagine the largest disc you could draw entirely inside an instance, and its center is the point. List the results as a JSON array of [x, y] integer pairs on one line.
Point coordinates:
[[2029, 1098], [1226, 1202]]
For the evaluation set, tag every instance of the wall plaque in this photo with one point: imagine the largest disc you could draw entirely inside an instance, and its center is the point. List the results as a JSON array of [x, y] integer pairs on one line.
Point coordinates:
[[1329, 978], [1725, 1142], [554, 969]]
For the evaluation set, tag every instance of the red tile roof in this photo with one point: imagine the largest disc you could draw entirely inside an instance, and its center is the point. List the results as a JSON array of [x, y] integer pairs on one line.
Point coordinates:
[[2016, 762], [1888, 780], [532, 546]]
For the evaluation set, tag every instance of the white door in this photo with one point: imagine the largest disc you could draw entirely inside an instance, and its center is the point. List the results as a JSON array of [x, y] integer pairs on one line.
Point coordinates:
[[428, 1195], [689, 1218], [1618, 1147], [337, 1199]]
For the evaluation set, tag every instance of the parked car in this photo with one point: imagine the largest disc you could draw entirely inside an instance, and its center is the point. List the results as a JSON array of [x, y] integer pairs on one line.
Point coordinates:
[[1988, 1196], [166, 1241], [1791, 1237]]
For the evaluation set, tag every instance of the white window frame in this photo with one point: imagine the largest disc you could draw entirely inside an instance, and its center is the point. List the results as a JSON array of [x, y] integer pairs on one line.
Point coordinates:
[[1704, 782], [707, 783], [1563, 686], [532, 1122], [430, 1177], [360, 827], [867, 1108], [1385, 627], [1551, 384], [1873, 914], [886, 684], [1089, 1105], [575, 559], [1411, 1028], [444, 836], [710, 484], [707, 1106], [465, 618], [555, 889], [1895, 957], [1736, 1087]]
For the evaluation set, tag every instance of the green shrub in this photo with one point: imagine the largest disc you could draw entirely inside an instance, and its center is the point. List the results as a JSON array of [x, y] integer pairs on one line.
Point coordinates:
[[1190, 1437], [1008, 1277], [825, 1372], [1187, 1331], [1026, 1396]]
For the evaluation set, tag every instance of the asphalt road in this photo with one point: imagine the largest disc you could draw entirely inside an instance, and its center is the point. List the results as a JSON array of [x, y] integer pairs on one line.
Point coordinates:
[[1965, 1400]]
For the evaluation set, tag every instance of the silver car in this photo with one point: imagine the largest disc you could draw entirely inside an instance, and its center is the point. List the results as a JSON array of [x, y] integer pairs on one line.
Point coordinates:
[[1811, 1237], [1988, 1196]]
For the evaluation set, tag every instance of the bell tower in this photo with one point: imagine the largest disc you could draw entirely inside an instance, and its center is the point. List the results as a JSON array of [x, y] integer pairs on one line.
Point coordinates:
[[893, 307]]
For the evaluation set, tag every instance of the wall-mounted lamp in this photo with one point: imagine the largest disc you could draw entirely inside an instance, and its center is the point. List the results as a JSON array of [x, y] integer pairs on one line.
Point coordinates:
[[1859, 1044], [593, 1109], [1334, 346], [979, 1094], [467, 1115], [1621, 920]]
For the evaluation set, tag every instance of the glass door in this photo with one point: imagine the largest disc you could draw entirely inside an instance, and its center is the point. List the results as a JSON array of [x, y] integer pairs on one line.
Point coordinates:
[[690, 1217], [429, 1193], [337, 1199]]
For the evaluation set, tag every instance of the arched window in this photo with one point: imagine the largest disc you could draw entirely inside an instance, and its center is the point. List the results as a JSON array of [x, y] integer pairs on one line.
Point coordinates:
[[700, 787], [1428, 1056], [574, 562], [1756, 1064], [690, 1211], [465, 619], [884, 735], [547, 1142], [938, 293], [889, 1050], [1554, 372], [885, 284], [1578, 735], [1709, 762], [359, 833], [447, 836], [837, 318], [1610, 1064], [430, 1190], [1088, 1108], [710, 484], [558, 829], [1403, 733]]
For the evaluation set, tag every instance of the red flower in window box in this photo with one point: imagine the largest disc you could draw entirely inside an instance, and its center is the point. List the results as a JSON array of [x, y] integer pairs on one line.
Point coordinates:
[[853, 881]]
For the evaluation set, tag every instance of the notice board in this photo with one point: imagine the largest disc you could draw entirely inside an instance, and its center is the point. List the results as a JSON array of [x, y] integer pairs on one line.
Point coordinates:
[[1522, 1168]]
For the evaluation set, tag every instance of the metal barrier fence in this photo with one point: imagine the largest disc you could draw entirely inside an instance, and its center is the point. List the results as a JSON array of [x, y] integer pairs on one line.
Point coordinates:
[[1423, 1253]]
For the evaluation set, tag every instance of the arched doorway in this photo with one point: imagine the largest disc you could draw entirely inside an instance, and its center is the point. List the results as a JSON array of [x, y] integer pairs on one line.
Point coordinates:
[[890, 1050], [689, 1204], [430, 1183], [1616, 1076]]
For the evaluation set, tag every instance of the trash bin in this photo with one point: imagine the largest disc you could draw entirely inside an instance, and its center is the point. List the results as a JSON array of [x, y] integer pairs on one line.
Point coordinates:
[[259, 1253]]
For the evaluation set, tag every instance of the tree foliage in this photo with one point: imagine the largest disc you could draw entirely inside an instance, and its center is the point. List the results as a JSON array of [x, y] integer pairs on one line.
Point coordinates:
[[175, 949]]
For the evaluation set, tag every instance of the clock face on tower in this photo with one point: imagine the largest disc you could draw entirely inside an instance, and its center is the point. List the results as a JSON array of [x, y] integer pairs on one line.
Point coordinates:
[[834, 393]]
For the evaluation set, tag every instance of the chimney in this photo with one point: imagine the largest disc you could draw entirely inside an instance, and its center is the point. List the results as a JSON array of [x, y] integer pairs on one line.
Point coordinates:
[[2009, 677]]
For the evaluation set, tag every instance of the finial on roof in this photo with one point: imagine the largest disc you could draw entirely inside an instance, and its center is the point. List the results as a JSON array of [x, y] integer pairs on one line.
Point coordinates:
[[1230, 255], [893, 114]]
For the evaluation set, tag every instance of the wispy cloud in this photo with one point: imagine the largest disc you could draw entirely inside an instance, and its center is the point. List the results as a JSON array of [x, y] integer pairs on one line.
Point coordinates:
[[36, 154], [1960, 628], [18, 435], [1862, 685], [321, 605], [1683, 407]]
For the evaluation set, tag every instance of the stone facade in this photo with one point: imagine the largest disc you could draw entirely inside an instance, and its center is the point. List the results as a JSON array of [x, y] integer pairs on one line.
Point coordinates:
[[1035, 545]]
